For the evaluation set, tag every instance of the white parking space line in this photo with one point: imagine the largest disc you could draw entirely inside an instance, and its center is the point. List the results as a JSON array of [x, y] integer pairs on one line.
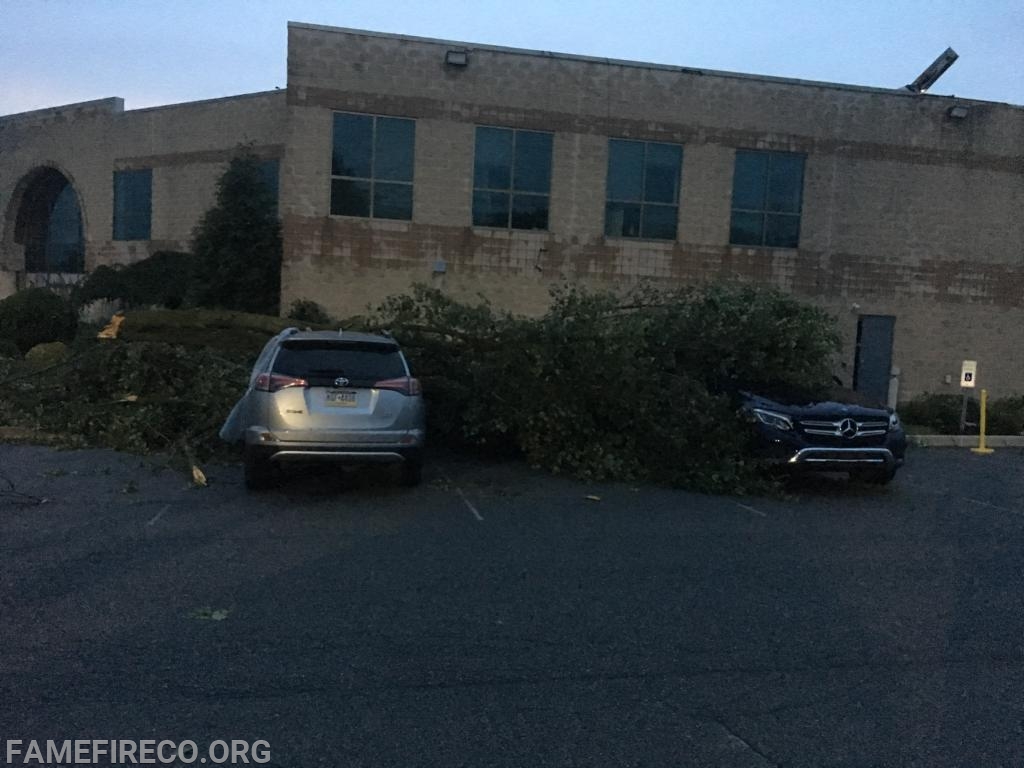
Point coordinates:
[[465, 500], [750, 509], [158, 515], [947, 493], [469, 504]]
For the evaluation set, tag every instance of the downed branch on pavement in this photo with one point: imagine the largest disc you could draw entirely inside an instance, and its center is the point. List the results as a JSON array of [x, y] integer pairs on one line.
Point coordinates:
[[11, 495]]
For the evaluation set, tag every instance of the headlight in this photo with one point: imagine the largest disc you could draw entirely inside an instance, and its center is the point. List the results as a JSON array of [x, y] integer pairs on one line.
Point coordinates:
[[894, 421], [773, 419]]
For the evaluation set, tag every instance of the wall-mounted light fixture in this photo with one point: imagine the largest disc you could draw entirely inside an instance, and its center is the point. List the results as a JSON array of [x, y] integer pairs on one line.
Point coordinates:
[[959, 112], [456, 58]]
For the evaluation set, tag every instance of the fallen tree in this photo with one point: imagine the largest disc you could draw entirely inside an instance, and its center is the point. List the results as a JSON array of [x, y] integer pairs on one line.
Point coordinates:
[[143, 397], [635, 388], [640, 387], [166, 382], [238, 334]]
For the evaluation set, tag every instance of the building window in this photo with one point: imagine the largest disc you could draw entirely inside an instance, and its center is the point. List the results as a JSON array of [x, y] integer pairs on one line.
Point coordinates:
[[767, 191], [371, 166], [49, 223], [270, 173], [511, 179], [133, 195], [643, 189]]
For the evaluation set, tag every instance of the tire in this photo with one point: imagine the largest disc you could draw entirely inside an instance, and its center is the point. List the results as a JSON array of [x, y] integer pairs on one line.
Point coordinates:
[[412, 472], [258, 471]]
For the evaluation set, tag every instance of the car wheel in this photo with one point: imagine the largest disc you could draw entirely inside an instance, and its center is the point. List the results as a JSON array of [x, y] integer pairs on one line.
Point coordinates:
[[259, 472], [412, 472]]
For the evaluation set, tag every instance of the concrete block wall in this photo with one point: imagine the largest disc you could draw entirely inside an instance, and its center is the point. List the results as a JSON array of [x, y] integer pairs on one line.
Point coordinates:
[[906, 211]]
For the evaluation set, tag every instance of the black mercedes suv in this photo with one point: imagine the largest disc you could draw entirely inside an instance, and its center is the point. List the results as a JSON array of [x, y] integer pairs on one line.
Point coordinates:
[[841, 432]]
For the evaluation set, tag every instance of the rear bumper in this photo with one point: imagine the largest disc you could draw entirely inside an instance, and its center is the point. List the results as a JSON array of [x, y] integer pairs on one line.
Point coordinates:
[[336, 455], [333, 456], [353, 449]]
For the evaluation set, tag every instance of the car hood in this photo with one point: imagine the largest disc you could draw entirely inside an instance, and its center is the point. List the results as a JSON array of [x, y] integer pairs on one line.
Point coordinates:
[[837, 404]]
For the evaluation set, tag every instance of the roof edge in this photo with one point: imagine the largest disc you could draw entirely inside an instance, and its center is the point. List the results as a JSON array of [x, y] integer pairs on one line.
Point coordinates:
[[111, 105], [115, 106], [897, 92], [214, 100]]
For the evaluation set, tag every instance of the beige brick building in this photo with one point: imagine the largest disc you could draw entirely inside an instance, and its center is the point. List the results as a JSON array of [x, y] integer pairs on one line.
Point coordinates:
[[494, 171], [85, 147]]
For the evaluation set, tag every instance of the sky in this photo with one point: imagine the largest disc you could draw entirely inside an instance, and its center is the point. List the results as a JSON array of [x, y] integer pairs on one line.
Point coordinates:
[[149, 53]]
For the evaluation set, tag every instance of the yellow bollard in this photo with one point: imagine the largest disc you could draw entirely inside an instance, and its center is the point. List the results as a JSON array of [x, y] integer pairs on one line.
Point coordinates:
[[981, 426]]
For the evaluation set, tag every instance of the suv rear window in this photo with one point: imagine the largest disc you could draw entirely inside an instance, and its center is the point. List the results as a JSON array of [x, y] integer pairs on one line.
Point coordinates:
[[321, 362]]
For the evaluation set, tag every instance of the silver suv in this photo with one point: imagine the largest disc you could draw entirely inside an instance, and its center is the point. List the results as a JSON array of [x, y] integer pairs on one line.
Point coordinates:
[[328, 396]]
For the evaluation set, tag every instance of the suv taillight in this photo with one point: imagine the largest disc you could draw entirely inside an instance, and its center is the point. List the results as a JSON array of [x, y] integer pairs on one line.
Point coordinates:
[[407, 385], [272, 382]]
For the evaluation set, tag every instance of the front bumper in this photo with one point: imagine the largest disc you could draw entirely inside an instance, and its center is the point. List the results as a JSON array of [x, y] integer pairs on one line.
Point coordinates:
[[841, 459], [791, 450]]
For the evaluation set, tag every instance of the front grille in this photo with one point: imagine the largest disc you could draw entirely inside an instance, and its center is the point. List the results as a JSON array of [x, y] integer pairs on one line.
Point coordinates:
[[836, 428]]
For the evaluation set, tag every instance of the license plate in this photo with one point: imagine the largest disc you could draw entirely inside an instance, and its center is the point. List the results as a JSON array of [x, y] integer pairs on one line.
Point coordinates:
[[342, 399]]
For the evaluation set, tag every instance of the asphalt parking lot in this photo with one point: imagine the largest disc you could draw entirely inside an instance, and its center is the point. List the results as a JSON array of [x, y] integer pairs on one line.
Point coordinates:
[[498, 616]]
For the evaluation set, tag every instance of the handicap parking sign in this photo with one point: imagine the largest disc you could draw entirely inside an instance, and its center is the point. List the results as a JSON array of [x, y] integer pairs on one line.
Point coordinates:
[[968, 373]]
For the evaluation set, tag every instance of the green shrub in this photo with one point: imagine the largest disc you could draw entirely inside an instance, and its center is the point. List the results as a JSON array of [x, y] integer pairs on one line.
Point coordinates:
[[238, 242], [939, 413], [307, 311], [165, 279], [603, 387], [47, 355], [35, 316], [1006, 416]]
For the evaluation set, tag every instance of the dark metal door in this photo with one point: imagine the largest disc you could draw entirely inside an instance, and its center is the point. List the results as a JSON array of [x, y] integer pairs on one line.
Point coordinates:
[[874, 355]]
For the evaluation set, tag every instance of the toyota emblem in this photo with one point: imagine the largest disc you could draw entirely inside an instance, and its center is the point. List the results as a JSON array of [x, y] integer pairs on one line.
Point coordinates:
[[341, 381], [848, 428]]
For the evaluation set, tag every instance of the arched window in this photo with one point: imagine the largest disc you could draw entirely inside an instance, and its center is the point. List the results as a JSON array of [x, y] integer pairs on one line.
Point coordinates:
[[49, 224]]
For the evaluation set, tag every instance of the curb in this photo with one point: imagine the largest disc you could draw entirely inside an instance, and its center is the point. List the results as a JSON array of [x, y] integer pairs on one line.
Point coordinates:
[[966, 441]]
